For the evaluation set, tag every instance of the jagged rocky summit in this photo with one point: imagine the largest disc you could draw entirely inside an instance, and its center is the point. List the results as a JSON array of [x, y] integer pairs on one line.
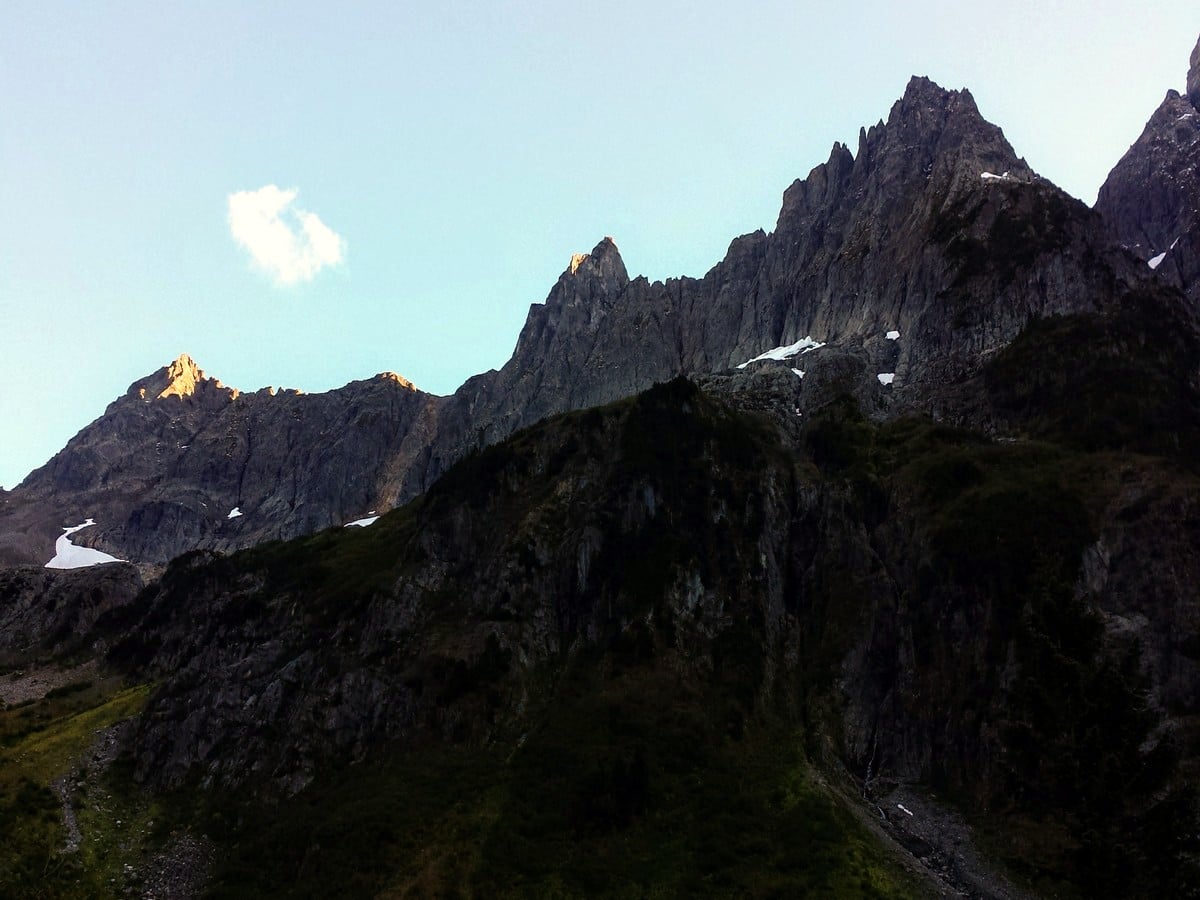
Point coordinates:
[[909, 262]]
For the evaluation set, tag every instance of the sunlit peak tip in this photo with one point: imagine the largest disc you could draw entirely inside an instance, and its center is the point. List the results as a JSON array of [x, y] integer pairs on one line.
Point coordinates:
[[182, 377], [398, 379]]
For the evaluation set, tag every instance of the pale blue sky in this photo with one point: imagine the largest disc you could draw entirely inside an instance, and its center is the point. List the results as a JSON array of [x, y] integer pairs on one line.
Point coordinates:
[[462, 151]]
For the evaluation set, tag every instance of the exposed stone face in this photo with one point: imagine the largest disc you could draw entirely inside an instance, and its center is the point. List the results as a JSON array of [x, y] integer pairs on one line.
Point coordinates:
[[44, 611], [1149, 200], [182, 377], [872, 599]]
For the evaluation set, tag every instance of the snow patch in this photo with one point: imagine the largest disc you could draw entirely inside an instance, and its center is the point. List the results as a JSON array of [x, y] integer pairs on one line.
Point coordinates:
[[886, 377], [797, 373], [68, 556], [363, 523], [1173, 243], [893, 335], [802, 346], [992, 176], [904, 809], [234, 513], [1157, 261]]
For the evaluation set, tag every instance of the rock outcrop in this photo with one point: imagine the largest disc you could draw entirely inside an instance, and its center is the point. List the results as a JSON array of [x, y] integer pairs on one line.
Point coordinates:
[[935, 229], [44, 612], [1008, 623]]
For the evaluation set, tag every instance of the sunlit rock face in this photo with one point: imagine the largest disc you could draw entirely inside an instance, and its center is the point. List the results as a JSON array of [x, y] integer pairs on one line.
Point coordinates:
[[1149, 200], [183, 375]]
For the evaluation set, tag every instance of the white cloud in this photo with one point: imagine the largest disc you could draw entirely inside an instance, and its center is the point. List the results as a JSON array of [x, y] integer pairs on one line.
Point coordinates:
[[290, 244]]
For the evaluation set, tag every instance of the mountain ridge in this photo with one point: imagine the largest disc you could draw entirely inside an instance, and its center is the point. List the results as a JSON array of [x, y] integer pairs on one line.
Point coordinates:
[[889, 239]]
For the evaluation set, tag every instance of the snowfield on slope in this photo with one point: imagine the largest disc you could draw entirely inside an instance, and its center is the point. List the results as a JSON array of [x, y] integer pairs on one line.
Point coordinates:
[[802, 346], [69, 556]]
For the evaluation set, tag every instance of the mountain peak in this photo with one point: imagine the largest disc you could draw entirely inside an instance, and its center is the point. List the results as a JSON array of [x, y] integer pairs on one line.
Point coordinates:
[[182, 377], [923, 92], [603, 263], [1149, 197], [1193, 79], [398, 379]]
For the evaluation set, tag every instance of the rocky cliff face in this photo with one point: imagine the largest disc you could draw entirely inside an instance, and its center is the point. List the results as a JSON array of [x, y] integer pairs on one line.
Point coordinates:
[[935, 229], [1150, 197], [166, 466], [1193, 79]]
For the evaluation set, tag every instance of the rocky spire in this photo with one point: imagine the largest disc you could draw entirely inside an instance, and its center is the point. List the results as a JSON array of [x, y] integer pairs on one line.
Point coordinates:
[[603, 263], [1193, 79], [182, 377]]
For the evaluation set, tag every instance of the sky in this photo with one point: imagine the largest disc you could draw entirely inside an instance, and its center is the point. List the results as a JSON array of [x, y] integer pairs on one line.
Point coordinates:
[[302, 194]]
